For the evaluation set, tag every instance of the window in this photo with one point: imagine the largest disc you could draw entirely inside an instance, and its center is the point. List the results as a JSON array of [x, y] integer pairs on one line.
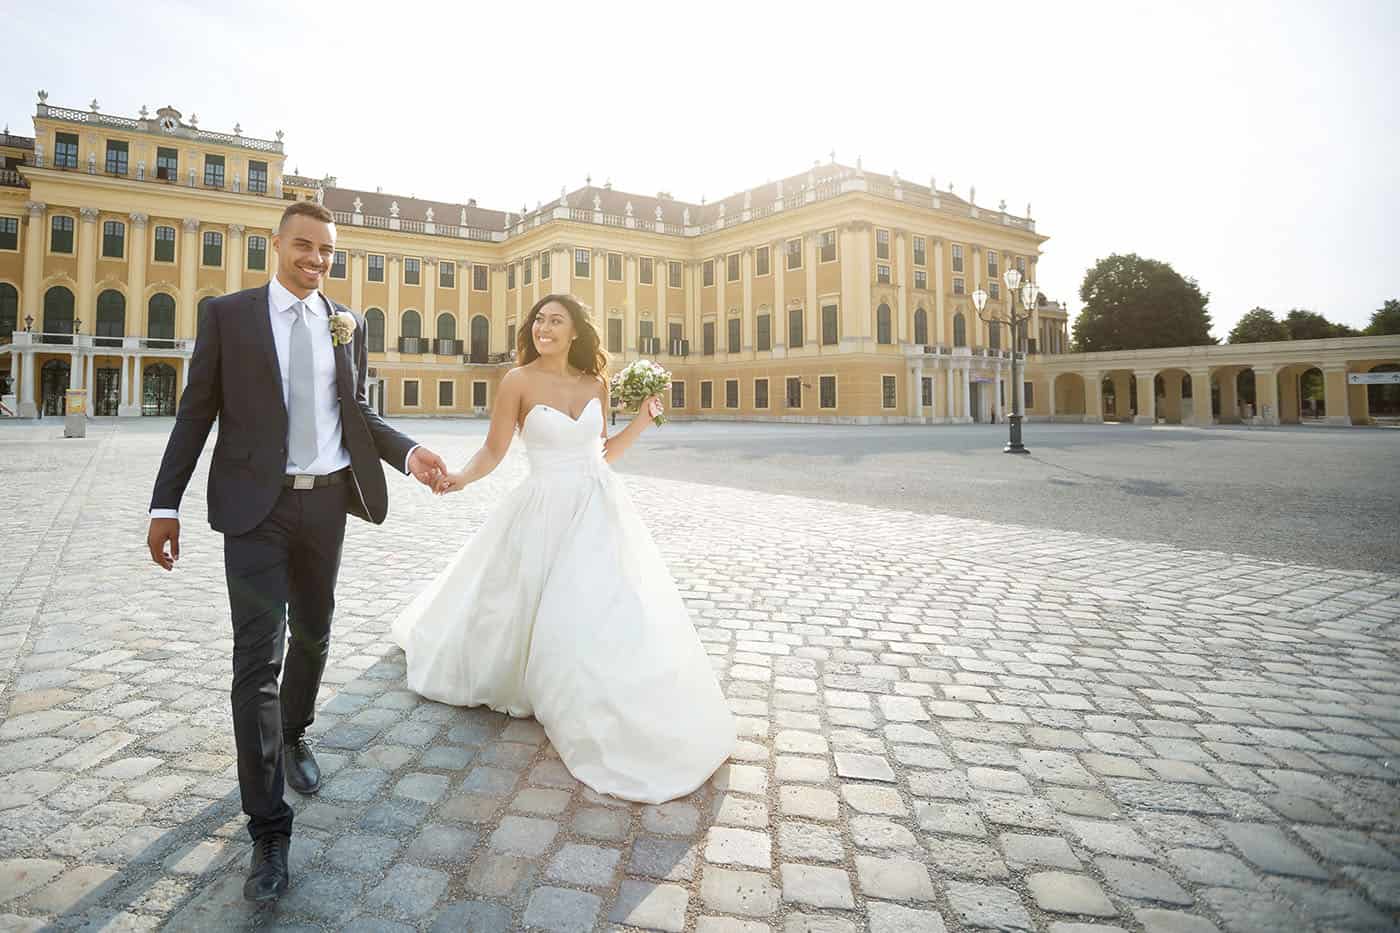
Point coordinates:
[[707, 343], [111, 319], [510, 336], [957, 258], [65, 150], [165, 244], [9, 233], [479, 277], [113, 239], [794, 253], [731, 267], [827, 391], [829, 333], [994, 288], [338, 264], [257, 255], [888, 389], [545, 265], [992, 264], [374, 330], [411, 326], [882, 244], [446, 388], [765, 332], [926, 392], [510, 275], [761, 261], [708, 273], [707, 394], [646, 270], [410, 393], [882, 274], [213, 171], [882, 324], [994, 336], [735, 335], [826, 250], [678, 395], [582, 262], [614, 335], [794, 392], [921, 279], [160, 318], [447, 274], [412, 272], [920, 252], [1021, 265], [614, 267], [959, 330], [1030, 394], [117, 154], [167, 164], [375, 268], [760, 393], [921, 327], [794, 327], [959, 286], [61, 235], [478, 394], [674, 274], [731, 393], [257, 177], [527, 271], [645, 331], [213, 254]]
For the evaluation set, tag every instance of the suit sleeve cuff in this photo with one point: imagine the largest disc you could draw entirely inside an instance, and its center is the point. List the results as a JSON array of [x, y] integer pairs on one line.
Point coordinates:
[[165, 513], [409, 458]]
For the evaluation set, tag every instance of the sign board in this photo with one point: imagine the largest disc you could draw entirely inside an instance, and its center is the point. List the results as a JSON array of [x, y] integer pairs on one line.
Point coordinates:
[[1373, 379]]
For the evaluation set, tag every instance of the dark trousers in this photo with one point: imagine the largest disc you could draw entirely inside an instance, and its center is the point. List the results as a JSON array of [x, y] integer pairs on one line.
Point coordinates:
[[281, 575]]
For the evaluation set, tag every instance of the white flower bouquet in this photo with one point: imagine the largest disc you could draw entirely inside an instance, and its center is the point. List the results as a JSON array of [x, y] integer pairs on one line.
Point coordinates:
[[639, 381]]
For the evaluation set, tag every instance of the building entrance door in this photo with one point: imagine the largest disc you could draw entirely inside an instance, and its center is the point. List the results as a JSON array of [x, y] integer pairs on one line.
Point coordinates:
[[109, 386]]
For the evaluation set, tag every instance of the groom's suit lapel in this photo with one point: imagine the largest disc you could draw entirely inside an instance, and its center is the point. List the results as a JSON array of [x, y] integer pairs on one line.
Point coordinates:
[[261, 312]]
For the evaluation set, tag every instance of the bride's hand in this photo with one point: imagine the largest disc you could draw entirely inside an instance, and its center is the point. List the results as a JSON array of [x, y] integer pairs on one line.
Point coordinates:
[[450, 482], [652, 407]]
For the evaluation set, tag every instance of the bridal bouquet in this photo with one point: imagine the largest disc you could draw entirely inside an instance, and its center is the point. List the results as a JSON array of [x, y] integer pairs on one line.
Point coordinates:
[[637, 382]]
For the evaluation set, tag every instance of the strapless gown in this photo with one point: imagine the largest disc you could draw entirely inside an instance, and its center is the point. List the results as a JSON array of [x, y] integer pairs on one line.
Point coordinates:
[[561, 607]]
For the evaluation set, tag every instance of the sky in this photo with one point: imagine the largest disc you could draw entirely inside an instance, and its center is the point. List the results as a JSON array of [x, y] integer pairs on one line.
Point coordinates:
[[1253, 146]]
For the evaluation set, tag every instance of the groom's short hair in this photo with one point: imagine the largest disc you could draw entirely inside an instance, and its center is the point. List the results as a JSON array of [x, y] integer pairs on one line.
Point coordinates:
[[306, 209]]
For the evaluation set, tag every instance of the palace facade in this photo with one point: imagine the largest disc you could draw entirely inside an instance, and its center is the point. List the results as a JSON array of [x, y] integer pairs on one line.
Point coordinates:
[[835, 294]]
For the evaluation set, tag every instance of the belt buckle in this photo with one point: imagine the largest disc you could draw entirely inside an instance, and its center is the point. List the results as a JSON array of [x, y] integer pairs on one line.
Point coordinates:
[[304, 481]]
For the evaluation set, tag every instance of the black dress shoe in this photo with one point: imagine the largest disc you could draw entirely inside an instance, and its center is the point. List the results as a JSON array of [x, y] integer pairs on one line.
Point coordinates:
[[267, 879], [303, 773]]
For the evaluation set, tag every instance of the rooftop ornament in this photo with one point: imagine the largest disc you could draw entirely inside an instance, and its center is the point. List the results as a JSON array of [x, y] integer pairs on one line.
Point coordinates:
[[93, 106], [43, 96]]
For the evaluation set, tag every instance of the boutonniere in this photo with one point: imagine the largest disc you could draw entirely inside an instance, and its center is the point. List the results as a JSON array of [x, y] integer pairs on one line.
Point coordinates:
[[342, 328]]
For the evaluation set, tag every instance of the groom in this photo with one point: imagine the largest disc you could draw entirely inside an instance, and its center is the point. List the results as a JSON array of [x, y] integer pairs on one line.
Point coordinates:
[[283, 369]]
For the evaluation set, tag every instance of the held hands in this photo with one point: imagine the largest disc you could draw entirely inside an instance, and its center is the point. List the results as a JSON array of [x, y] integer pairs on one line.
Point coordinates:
[[450, 482], [163, 531], [427, 467]]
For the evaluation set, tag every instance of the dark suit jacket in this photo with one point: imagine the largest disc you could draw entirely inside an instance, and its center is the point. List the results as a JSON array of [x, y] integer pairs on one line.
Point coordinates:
[[234, 376]]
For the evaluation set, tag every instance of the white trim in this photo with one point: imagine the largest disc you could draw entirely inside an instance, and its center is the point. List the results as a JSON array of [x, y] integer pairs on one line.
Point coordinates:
[[766, 248], [403, 271], [453, 264]]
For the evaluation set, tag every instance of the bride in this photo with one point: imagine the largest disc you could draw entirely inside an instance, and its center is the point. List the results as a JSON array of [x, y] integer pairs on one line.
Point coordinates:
[[560, 606]]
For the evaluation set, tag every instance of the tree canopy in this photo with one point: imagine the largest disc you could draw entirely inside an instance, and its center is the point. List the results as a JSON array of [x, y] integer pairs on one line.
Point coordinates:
[[1133, 303], [1258, 326], [1385, 319]]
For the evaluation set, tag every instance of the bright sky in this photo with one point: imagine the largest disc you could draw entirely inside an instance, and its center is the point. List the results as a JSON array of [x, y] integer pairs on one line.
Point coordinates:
[[1253, 145]]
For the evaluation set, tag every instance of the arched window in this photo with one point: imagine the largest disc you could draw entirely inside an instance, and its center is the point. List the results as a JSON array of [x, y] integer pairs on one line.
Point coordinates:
[[58, 314], [481, 339], [411, 325], [111, 318], [446, 327], [201, 308], [921, 327], [959, 330], [374, 323], [9, 309], [160, 321], [882, 324]]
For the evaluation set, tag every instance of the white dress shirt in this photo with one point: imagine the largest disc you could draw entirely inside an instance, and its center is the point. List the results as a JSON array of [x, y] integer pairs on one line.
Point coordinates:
[[331, 454]]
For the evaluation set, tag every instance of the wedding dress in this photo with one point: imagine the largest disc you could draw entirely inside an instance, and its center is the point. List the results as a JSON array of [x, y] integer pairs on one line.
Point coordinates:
[[561, 607]]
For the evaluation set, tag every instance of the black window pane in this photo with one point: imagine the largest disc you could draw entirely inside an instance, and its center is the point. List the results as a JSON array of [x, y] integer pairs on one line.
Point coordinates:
[[62, 238], [527, 269], [735, 334], [708, 339], [765, 332], [644, 270], [678, 395], [9, 233], [545, 264], [828, 391], [411, 272], [707, 395], [794, 254], [882, 325], [213, 171], [113, 239], [675, 275], [614, 267], [479, 394], [794, 392], [257, 253], [338, 264], [829, 334], [614, 335], [709, 268], [795, 336], [374, 324], [376, 268], [760, 393], [447, 275], [927, 399], [167, 164], [479, 274], [117, 154], [165, 244], [887, 391], [731, 393], [65, 150], [761, 261], [731, 268], [445, 394], [213, 248], [410, 392], [582, 261], [257, 177]]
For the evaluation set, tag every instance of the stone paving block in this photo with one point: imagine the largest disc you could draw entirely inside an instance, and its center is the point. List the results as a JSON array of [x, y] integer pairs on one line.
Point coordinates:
[[671, 819], [1065, 893], [729, 925], [473, 916], [502, 877], [988, 907], [809, 802], [794, 768], [895, 879], [524, 836], [873, 832], [1171, 921], [442, 844], [1332, 908], [1141, 881], [949, 818], [729, 846], [817, 923], [665, 859], [560, 910], [1108, 838], [599, 823], [584, 865], [1268, 848], [1025, 851], [746, 893], [897, 918], [816, 886], [881, 801], [1347, 846], [651, 906], [1256, 911]]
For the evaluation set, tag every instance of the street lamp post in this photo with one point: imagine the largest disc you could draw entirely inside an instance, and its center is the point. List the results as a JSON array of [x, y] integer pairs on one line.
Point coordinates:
[[1029, 294]]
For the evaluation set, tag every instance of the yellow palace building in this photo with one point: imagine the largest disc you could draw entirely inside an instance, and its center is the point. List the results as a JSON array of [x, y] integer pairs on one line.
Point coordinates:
[[835, 294]]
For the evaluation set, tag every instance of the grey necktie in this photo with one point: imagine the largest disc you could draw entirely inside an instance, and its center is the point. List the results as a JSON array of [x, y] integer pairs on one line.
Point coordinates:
[[301, 405]]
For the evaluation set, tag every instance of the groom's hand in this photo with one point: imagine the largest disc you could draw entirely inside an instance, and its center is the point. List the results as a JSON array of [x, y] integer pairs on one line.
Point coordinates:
[[163, 531], [426, 467]]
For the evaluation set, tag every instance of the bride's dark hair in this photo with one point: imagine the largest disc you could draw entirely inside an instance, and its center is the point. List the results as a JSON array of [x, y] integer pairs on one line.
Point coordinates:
[[585, 353]]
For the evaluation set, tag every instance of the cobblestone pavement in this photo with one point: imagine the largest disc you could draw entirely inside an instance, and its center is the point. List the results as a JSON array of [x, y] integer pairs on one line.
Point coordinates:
[[946, 725]]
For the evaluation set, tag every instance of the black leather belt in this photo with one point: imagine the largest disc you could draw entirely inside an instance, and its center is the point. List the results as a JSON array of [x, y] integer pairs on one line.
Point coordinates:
[[312, 481]]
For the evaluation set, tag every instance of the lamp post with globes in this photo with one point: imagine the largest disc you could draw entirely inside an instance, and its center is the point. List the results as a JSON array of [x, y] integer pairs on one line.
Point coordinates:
[[1029, 293]]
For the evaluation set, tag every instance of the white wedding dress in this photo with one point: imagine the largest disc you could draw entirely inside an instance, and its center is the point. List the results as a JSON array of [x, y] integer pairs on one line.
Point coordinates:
[[561, 607]]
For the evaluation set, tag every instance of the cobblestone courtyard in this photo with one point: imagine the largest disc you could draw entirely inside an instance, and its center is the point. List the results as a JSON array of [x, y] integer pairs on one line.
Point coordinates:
[[947, 724]]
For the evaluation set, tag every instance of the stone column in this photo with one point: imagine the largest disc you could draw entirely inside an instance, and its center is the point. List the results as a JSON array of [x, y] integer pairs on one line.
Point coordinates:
[[600, 301], [721, 307], [189, 281], [949, 411], [497, 342], [1230, 396], [1334, 383], [86, 299], [966, 393], [27, 408], [661, 276], [1172, 401], [428, 270], [234, 258], [997, 389], [1265, 395], [1200, 398], [357, 280], [629, 310], [561, 269], [976, 329], [518, 312], [33, 265], [748, 340], [780, 311], [1146, 396], [1049, 395], [939, 293], [393, 273], [1122, 395], [810, 308], [916, 394], [902, 329], [136, 277], [1093, 397], [856, 280], [138, 383]]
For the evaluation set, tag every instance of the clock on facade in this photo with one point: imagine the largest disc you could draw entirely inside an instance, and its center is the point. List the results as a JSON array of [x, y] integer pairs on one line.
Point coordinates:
[[168, 124]]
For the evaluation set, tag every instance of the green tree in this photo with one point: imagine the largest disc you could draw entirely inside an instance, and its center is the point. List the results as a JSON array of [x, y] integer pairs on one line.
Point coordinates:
[[1309, 325], [1385, 319], [1258, 326], [1132, 303]]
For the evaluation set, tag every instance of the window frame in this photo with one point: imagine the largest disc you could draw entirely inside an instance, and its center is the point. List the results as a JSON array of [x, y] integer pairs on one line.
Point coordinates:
[[787, 393], [882, 245], [71, 232], [173, 240], [527, 271], [762, 261], [822, 247], [709, 338], [677, 393], [836, 323], [882, 274], [621, 267], [801, 328], [886, 381], [212, 160], [674, 274], [707, 394], [734, 335], [66, 149], [733, 268], [615, 325], [732, 402], [370, 267], [256, 184], [766, 400], [449, 267], [835, 392], [125, 159], [707, 274], [957, 259], [921, 279], [248, 253], [451, 385], [417, 393], [789, 254], [344, 264], [485, 271], [485, 393], [121, 239], [5, 221], [959, 285], [760, 338], [170, 155], [546, 265], [206, 239], [586, 256], [414, 263], [920, 248], [646, 270]]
